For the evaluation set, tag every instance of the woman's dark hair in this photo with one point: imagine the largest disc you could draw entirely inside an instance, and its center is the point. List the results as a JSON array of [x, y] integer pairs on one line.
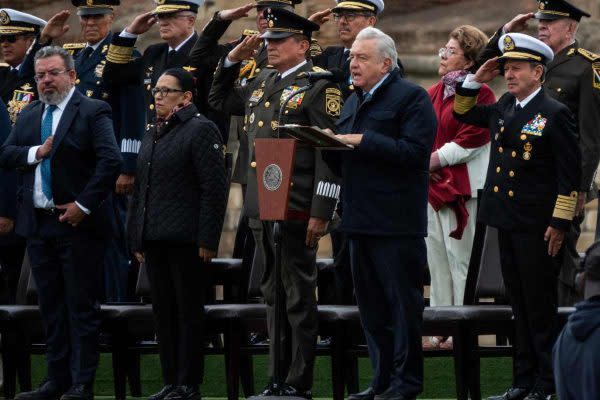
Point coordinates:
[[184, 78]]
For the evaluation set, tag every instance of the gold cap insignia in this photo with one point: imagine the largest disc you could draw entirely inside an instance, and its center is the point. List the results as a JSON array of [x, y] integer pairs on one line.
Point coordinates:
[[189, 68], [4, 18], [509, 43], [271, 23]]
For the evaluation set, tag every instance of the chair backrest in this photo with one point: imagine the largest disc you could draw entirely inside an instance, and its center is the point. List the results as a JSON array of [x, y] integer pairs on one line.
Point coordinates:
[[484, 277]]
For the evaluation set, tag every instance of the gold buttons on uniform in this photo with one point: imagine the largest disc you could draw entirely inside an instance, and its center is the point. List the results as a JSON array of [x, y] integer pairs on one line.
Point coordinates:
[[496, 189], [511, 193], [257, 70], [260, 124], [498, 169], [511, 174], [500, 149], [151, 106], [267, 104], [523, 136], [253, 164], [501, 129], [77, 81], [513, 154]]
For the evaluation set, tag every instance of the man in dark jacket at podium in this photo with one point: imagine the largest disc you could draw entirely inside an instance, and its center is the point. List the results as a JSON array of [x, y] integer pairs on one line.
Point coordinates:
[[391, 124]]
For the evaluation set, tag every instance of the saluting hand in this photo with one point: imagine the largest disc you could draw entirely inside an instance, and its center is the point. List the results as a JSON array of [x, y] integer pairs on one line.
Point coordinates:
[[321, 17], [236, 13], [245, 49], [555, 239], [518, 23], [56, 27], [142, 23], [488, 71]]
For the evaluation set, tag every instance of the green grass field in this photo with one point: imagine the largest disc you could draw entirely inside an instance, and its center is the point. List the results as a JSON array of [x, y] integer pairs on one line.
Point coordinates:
[[439, 376]]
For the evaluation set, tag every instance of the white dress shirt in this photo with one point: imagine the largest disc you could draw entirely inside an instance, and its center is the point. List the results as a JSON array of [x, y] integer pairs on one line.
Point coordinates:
[[39, 198]]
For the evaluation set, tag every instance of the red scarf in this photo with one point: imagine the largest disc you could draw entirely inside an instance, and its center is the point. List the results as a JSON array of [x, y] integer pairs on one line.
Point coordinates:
[[454, 189]]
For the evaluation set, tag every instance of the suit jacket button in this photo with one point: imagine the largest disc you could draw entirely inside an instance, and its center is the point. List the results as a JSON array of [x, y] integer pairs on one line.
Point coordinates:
[[253, 164], [496, 189]]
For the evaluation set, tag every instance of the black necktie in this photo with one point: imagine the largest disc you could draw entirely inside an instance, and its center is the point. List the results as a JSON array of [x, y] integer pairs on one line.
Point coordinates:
[[170, 56], [86, 53], [518, 108]]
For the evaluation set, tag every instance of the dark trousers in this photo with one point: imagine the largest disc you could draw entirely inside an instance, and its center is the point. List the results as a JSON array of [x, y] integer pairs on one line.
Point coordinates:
[[344, 287], [299, 278], [529, 275], [11, 259], [67, 271], [117, 259], [177, 283], [388, 282], [567, 292]]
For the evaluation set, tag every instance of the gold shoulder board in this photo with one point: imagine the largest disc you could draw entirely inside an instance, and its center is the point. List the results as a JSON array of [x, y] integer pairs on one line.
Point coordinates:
[[589, 55], [73, 46]]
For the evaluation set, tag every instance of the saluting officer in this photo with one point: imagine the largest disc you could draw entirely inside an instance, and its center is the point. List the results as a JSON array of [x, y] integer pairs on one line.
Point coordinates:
[[530, 195], [288, 43], [205, 56], [17, 32], [573, 78], [175, 20], [126, 100]]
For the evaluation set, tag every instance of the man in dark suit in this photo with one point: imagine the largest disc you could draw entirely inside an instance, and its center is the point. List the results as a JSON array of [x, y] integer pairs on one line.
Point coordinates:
[[391, 124], [573, 78], [288, 41], [530, 196], [17, 33], [68, 160], [126, 101]]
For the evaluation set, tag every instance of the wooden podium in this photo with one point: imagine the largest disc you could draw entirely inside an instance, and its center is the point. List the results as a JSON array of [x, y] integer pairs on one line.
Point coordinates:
[[274, 169]]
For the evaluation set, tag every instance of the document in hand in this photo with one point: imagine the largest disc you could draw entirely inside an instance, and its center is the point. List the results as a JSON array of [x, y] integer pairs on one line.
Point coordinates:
[[315, 137]]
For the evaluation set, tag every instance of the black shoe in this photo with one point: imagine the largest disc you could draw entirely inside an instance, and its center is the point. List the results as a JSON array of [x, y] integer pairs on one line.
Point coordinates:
[[163, 393], [48, 390], [290, 391], [390, 393], [511, 394], [368, 394], [184, 392], [79, 392], [538, 394], [270, 390]]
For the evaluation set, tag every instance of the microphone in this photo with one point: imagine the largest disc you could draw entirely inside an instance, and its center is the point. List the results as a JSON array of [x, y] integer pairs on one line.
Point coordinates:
[[334, 74]]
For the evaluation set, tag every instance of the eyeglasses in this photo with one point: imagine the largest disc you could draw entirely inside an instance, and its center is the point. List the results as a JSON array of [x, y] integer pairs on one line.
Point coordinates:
[[8, 38], [52, 74], [350, 17], [164, 91], [445, 52]]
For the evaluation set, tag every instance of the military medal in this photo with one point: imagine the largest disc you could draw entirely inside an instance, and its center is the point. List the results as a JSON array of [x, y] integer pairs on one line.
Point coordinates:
[[20, 100], [257, 95], [295, 101], [535, 127], [252, 117], [99, 69], [527, 154]]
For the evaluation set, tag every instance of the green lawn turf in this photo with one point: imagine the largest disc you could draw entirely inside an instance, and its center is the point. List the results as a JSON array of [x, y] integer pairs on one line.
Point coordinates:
[[439, 376]]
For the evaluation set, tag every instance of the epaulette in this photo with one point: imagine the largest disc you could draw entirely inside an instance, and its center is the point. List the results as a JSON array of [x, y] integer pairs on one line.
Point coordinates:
[[315, 48], [249, 32], [318, 69], [74, 46], [593, 57]]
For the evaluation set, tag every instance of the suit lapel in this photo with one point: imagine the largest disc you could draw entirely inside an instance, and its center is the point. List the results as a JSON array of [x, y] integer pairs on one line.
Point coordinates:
[[66, 120], [37, 126]]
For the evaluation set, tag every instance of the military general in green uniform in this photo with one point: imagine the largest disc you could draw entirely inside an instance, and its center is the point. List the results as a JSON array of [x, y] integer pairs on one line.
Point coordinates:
[[573, 78], [288, 42]]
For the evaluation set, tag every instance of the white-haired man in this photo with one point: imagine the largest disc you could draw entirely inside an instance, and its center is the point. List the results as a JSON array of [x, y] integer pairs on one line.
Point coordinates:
[[391, 124]]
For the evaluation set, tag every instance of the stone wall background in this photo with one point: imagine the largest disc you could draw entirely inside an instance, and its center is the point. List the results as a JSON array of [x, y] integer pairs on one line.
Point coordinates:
[[418, 27]]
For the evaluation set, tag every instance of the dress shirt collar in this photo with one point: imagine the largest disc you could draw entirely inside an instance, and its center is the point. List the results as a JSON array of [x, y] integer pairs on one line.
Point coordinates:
[[293, 69], [374, 88], [95, 46], [182, 43], [527, 99]]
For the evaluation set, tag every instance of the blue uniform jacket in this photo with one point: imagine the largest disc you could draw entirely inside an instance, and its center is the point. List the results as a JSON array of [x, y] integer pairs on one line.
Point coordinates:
[[385, 179]]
